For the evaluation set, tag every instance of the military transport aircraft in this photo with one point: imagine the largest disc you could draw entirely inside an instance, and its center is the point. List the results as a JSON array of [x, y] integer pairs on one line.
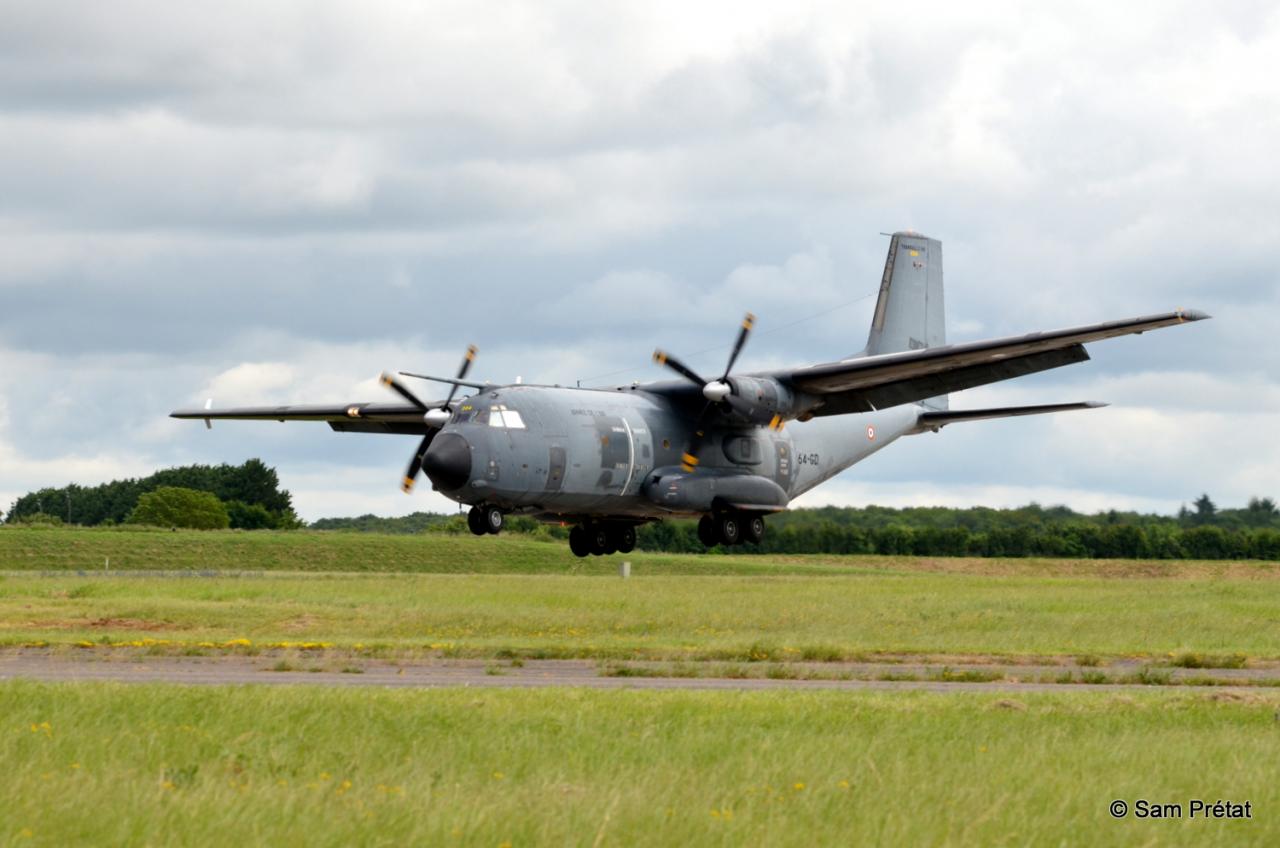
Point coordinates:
[[731, 449]]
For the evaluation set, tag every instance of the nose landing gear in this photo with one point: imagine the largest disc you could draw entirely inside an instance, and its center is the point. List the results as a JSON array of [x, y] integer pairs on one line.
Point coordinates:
[[485, 519]]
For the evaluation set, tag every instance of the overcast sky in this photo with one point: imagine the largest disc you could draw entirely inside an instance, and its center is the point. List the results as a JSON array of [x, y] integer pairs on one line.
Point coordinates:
[[273, 202]]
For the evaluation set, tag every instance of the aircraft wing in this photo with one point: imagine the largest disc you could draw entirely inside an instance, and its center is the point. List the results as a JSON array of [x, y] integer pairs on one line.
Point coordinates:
[[862, 384], [352, 417]]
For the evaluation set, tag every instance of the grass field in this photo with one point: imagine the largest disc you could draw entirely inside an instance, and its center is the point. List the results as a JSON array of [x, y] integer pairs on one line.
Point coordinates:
[[159, 764], [720, 617], [129, 548], [529, 598], [116, 764]]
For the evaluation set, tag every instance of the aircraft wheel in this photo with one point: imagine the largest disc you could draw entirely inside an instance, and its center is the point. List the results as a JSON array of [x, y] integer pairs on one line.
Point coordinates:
[[626, 539], [753, 529], [730, 529], [579, 542], [610, 539], [708, 533], [475, 521], [493, 520], [599, 538]]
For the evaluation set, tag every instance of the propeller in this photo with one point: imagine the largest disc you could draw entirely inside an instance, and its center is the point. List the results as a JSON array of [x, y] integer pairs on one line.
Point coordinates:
[[717, 392], [436, 417]]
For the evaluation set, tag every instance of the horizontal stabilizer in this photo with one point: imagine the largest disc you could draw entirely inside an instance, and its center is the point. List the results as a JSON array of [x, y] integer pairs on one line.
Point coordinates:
[[937, 420]]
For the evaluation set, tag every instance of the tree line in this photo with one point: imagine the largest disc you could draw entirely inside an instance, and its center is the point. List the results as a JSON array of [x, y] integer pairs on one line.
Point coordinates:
[[249, 493], [249, 496], [1201, 531]]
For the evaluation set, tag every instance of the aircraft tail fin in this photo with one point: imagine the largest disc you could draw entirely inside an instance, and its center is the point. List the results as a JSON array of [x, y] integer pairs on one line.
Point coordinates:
[[909, 311]]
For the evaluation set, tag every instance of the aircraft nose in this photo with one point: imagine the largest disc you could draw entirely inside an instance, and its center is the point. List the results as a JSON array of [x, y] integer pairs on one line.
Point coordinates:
[[448, 462]]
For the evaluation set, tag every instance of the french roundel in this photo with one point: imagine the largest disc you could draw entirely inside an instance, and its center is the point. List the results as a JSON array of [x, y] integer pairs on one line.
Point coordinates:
[[871, 432]]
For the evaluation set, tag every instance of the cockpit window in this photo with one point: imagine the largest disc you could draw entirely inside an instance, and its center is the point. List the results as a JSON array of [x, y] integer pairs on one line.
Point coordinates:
[[470, 412], [501, 416]]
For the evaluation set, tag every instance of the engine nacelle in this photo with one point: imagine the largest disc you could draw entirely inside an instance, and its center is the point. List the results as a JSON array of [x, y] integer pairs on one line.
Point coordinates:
[[771, 395]]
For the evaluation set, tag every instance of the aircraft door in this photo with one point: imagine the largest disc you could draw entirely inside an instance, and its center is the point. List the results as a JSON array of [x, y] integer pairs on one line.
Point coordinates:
[[641, 452], [616, 448], [555, 467], [783, 470]]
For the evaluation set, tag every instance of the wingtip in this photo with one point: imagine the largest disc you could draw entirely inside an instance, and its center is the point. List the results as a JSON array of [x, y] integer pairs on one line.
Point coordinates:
[[1193, 315], [1095, 404]]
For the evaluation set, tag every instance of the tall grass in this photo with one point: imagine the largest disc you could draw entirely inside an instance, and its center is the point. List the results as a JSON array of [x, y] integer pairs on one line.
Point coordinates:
[[142, 764]]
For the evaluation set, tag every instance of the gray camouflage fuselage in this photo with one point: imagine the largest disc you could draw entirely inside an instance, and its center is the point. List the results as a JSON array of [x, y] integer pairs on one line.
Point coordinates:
[[617, 452]]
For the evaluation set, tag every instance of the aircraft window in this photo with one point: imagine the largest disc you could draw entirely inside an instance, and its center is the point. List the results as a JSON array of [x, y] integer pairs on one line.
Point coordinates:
[[501, 416]]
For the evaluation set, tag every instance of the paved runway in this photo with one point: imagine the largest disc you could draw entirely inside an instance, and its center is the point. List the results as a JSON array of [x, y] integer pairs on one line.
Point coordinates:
[[322, 671]]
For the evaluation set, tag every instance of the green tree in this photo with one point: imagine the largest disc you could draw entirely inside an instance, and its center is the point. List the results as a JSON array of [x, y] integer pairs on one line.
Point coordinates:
[[1206, 510], [245, 516], [173, 506]]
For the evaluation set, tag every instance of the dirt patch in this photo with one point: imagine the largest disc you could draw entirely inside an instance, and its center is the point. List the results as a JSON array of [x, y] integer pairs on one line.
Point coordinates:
[[1231, 696], [131, 624], [301, 622]]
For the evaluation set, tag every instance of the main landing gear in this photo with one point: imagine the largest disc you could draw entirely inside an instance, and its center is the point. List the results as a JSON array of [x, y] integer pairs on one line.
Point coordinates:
[[602, 537], [730, 528], [485, 519]]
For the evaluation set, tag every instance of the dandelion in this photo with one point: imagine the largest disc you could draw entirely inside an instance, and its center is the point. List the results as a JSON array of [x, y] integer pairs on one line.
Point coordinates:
[[844, 784], [497, 775], [799, 787]]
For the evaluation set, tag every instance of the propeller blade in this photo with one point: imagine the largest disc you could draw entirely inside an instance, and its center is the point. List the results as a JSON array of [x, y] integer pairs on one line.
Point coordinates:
[[747, 324], [415, 464], [689, 461], [470, 357], [663, 358], [395, 386], [719, 392]]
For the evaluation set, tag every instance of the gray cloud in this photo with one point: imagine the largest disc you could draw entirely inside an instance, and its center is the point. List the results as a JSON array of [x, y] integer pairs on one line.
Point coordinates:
[[281, 201]]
